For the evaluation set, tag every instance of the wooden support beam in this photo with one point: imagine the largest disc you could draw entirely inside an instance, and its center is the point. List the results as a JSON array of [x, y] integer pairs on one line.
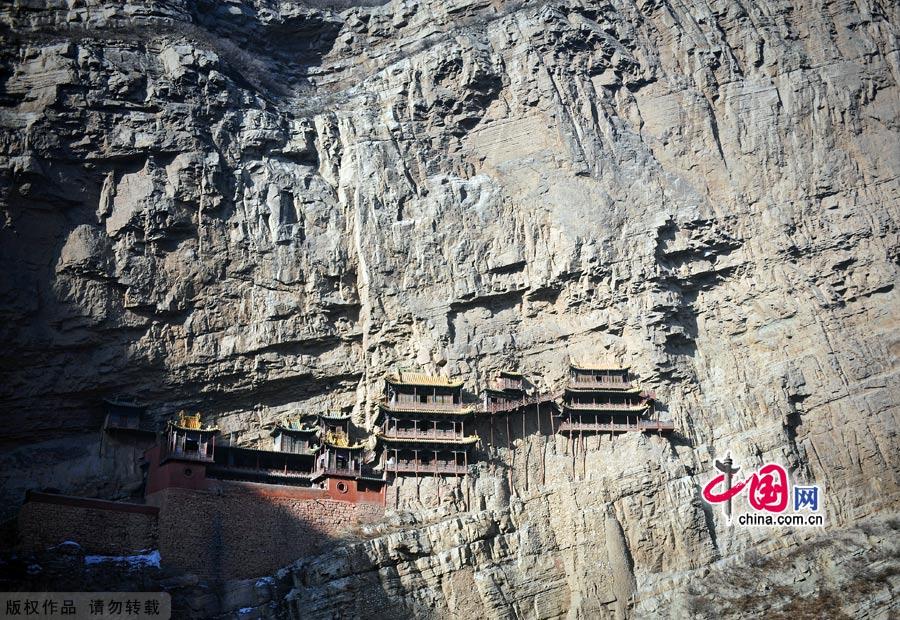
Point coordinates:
[[466, 478], [573, 448], [493, 445], [508, 439], [583, 458]]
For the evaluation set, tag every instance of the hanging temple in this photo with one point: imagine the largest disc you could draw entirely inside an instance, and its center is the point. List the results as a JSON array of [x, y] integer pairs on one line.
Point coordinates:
[[424, 426], [212, 509]]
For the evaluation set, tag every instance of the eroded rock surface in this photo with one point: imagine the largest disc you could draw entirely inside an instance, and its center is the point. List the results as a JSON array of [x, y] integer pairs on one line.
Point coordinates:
[[257, 208]]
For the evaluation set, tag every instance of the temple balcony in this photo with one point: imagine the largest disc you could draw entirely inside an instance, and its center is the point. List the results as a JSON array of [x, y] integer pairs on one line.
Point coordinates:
[[512, 405], [424, 434], [395, 405], [436, 467], [606, 406], [503, 383], [593, 384], [225, 471], [200, 456], [646, 426], [347, 472], [301, 451]]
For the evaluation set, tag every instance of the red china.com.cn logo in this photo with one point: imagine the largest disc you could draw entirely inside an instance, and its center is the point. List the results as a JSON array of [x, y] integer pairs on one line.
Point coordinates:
[[768, 493]]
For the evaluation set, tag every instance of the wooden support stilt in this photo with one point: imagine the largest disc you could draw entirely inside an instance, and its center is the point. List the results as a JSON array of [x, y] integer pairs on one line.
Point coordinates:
[[573, 448], [583, 458], [543, 447], [542, 443], [416, 456], [493, 445], [465, 480], [508, 439]]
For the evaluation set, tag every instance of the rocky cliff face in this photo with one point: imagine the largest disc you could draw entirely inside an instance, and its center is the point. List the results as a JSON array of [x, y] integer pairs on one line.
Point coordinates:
[[257, 208]]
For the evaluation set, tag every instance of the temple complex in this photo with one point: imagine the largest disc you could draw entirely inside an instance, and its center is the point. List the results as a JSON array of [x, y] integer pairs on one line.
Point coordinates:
[[296, 438], [290, 463], [505, 392], [316, 478], [338, 457], [186, 439], [317, 455], [423, 426], [602, 398]]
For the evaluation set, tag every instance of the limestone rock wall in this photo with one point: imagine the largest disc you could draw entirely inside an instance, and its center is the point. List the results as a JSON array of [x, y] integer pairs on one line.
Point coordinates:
[[257, 208]]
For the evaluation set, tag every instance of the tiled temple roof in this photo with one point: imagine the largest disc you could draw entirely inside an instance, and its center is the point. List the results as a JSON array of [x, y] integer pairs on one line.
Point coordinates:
[[597, 366], [418, 378]]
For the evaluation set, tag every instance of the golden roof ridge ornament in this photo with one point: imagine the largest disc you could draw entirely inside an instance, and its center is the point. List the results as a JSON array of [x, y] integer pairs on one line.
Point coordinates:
[[191, 422]]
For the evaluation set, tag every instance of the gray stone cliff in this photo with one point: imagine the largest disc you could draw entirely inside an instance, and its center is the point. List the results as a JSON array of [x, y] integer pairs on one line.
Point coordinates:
[[257, 208]]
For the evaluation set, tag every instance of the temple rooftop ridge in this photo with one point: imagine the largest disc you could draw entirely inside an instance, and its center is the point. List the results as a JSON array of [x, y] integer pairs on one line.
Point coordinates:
[[420, 378], [598, 366]]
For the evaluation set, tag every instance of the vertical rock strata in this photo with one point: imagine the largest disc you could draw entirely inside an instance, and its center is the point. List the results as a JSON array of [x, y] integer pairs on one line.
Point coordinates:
[[260, 207]]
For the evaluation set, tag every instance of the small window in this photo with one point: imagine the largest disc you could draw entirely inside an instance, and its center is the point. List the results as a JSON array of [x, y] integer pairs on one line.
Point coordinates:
[[342, 487], [188, 472]]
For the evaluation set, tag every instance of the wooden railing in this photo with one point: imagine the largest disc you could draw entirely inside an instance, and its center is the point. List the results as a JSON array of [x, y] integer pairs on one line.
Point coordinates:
[[656, 425], [601, 385], [395, 433], [301, 451], [437, 467], [648, 426], [188, 455], [616, 406], [397, 405], [258, 471], [507, 384], [519, 404], [336, 471]]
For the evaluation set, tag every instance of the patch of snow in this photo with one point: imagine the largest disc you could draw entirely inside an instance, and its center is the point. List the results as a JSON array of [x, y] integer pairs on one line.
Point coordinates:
[[245, 610], [264, 581], [135, 561]]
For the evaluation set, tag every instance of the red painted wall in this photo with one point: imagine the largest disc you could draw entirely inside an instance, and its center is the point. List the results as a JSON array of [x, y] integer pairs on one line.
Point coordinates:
[[173, 474], [348, 490]]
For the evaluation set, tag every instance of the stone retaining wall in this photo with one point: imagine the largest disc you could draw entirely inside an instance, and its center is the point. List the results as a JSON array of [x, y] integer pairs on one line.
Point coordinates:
[[101, 527], [238, 530]]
